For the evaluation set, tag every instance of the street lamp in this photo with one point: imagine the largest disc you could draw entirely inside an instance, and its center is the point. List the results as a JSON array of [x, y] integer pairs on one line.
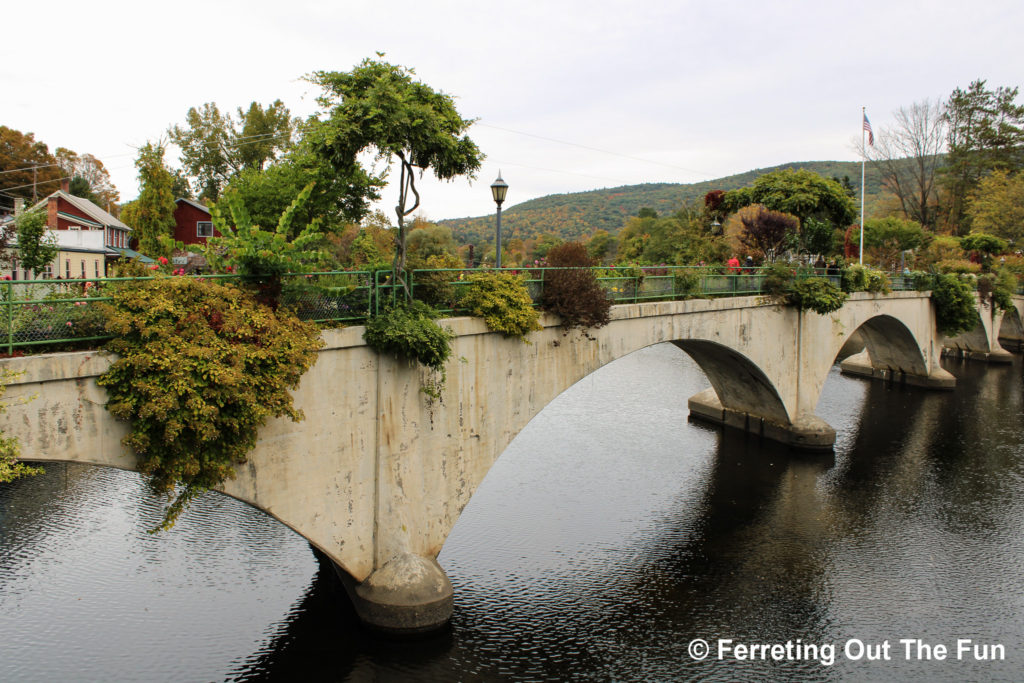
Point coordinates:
[[499, 188]]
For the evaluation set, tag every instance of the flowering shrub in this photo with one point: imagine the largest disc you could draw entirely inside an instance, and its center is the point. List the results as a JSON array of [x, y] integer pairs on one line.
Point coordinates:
[[502, 300], [201, 367]]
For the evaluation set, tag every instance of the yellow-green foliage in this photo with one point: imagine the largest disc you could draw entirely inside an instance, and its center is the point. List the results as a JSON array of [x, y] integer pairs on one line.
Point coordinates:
[[959, 267], [10, 449], [202, 366], [502, 300], [858, 278]]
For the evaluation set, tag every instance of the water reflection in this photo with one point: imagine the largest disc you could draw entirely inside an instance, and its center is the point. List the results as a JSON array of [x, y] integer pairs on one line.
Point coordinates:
[[609, 535]]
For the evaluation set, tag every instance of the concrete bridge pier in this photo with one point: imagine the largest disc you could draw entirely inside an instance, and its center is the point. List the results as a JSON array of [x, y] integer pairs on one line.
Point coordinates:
[[409, 594], [981, 343]]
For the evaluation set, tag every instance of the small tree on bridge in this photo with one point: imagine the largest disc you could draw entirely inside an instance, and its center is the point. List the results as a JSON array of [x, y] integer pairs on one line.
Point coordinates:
[[379, 106]]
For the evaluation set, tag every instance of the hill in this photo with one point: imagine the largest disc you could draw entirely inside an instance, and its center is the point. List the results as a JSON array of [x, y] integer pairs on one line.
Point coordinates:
[[578, 215]]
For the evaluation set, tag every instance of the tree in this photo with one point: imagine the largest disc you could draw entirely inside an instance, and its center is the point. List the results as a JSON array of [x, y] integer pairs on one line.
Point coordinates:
[[151, 215], [908, 157], [985, 246], [89, 178], [426, 240], [37, 248], [27, 169], [600, 245], [997, 206], [891, 236], [768, 232], [215, 146], [802, 193], [985, 133], [339, 196], [379, 106]]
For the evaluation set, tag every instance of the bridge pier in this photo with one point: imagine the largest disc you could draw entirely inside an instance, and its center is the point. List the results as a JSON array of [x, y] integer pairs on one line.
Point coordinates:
[[862, 365], [408, 595], [809, 433]]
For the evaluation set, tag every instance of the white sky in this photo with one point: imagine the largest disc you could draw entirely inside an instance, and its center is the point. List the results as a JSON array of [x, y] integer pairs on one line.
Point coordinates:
[[690, 90]]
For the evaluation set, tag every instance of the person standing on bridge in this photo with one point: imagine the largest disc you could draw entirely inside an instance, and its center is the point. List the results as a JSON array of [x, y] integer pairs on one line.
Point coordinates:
[[734, 264]]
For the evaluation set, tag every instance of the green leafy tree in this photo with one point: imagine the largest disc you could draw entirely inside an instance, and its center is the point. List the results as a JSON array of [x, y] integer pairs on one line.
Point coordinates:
[[817, 237], [37, 247], [888, 237], [600, 246], [427, 239], [339, 196], [378, 106], [985, 133], [802, 193], [151, 215], [986, 246], [997, 206], [215, 146]]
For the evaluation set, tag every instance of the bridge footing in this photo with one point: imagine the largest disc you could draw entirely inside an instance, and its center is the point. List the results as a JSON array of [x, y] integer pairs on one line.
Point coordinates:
[[860, 366], [408, 595], [810, 434], [997, 356]]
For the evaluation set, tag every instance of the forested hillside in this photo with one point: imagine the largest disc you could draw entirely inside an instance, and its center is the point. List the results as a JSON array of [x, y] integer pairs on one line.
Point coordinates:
[[580, 214]]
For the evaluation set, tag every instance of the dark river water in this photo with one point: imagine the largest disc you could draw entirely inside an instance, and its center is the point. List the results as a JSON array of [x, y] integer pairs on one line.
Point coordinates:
[[609, 536]]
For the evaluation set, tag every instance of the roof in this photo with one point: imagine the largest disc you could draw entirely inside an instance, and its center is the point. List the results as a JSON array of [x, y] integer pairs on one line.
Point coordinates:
[[193, 204], [131, 254], [88, 208]]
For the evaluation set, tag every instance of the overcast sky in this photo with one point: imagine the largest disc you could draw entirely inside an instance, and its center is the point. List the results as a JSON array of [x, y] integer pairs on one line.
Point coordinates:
[[570, 96]]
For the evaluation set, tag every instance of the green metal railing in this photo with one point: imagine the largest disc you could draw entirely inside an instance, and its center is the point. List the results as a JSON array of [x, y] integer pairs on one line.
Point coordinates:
[[61, 314]]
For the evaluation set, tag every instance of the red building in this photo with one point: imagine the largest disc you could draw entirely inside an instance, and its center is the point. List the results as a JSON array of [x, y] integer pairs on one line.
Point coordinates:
[[192, 222]]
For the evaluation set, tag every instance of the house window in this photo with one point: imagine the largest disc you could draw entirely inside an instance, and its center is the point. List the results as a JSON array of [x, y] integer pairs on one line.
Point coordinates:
[[67, 268], [96, 267], [204, 229], [14, 269], [83, 267], [48, 273]]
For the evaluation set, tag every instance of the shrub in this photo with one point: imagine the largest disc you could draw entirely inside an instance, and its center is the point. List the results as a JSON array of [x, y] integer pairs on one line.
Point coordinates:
[[954, 305], [410, 332], [816, 294], [687, 284], [573, 293], [437, 289], [922, 281], [878, 282], [502, 300], [1001, 287], [778, 278], [202, 366], [855, 278], [960, 267]]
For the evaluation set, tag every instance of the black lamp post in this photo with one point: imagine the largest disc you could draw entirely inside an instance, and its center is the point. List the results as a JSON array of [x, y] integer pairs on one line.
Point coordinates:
[[499, 188]]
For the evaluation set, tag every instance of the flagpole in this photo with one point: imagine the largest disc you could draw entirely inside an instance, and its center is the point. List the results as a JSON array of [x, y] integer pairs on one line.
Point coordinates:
[[863, 160]]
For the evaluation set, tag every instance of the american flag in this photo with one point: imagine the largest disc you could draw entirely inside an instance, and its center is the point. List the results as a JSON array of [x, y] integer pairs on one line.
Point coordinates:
[[867, 127]]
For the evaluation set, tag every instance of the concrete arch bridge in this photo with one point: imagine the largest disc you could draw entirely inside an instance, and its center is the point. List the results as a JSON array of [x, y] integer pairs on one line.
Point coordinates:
[[376, 478]]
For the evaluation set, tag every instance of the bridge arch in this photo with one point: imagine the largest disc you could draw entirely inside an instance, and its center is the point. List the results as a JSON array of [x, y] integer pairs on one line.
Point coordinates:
[[1012, 327], [890, 344], [739, 383]]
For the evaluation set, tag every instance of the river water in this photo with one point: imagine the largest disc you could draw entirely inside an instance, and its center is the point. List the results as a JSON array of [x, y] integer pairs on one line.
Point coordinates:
[[609, 536]]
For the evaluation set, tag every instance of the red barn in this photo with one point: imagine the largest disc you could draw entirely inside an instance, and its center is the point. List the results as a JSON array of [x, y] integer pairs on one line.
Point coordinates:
[[192, 222]]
